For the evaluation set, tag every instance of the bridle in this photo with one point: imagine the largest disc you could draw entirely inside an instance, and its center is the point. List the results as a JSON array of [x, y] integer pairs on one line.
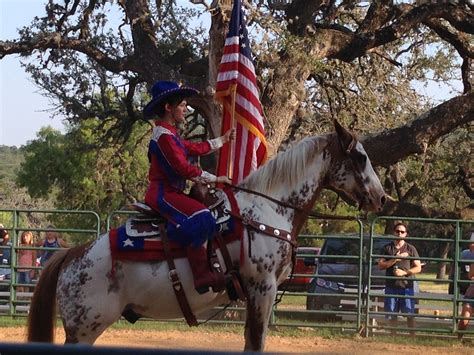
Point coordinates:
[[348, 152], [289, 205]]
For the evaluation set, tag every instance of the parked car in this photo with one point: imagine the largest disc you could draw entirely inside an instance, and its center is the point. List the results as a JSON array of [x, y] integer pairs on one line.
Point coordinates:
[[303, 271], [337, 274]]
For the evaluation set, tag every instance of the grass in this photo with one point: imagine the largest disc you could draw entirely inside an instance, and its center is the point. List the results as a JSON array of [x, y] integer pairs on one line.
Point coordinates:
[[432, 286]]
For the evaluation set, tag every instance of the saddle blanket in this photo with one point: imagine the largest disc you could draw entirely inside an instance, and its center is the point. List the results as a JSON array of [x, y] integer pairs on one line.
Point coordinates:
[[127, 243], [122, 247]]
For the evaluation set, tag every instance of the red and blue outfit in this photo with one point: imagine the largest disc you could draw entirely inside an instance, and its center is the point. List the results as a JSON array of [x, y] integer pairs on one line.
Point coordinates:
[[189, 221]]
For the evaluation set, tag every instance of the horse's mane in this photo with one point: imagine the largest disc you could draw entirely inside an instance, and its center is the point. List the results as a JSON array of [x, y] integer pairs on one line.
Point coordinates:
[[287, 167]]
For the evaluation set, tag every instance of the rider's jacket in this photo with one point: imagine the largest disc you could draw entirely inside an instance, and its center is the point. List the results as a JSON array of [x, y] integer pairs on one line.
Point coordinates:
[[168, 154]]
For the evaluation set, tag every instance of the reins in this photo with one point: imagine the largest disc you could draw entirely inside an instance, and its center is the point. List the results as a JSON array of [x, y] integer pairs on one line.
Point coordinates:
[[288, 205]]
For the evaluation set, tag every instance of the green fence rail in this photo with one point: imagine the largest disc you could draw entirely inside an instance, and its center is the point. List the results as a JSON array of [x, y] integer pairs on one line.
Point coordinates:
[[437, 311], [16, 221]]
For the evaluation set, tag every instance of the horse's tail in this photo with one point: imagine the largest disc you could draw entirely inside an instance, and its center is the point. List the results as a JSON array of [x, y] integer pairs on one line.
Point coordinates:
[[42, 314]]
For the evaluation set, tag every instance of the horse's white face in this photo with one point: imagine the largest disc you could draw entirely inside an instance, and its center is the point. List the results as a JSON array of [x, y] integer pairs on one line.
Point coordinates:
[[352, 175]]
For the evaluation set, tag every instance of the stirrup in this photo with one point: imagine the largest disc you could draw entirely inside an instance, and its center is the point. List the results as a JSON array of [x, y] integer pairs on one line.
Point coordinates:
[[215, 288]]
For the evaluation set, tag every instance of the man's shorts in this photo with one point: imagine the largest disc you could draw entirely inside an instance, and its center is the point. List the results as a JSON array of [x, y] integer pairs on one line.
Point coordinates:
[[396, 304]]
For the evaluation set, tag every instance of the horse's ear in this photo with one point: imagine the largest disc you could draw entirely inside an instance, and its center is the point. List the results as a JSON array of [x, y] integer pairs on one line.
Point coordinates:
[[346, 139]]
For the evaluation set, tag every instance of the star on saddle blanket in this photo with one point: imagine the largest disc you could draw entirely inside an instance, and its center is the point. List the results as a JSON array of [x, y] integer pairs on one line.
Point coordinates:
[[123, 247]]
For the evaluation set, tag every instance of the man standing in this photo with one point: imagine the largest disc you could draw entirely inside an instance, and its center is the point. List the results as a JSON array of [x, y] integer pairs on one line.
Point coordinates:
[[468, 304], [404, 269], [5, 246]]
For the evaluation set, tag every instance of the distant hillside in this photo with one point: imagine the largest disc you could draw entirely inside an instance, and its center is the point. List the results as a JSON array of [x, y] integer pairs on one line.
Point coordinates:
[[10, 160]]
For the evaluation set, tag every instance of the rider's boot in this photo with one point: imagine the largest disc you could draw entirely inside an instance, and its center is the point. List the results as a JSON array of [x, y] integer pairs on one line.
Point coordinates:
[[203, 276]]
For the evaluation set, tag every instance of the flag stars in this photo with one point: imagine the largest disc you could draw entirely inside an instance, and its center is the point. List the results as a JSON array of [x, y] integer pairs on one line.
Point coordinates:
[[128, 243]]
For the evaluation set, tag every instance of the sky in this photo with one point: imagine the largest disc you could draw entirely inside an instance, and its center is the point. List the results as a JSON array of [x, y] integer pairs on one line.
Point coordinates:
[[23, 110]]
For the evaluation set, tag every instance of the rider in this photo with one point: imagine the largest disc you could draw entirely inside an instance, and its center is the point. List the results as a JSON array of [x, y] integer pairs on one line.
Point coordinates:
[[189, 221]]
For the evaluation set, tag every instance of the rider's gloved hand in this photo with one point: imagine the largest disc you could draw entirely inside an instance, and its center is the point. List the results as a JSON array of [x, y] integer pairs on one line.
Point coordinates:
[[223, 180]]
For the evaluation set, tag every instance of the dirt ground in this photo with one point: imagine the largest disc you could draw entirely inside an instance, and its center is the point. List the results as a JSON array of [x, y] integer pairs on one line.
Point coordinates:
[[213, 341]]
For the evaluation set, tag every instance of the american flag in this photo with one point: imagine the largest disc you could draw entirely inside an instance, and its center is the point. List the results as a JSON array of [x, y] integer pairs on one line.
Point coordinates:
[[237, 72]]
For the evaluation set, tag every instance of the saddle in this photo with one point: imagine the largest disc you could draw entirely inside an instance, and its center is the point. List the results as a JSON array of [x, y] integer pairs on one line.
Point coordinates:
[[146, 224], [148, 229]]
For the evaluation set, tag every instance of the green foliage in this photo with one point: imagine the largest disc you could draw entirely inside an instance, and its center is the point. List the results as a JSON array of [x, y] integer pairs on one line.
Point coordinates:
[[43, 166], [436, 173], [83, 176], [12, 196], [11, 159]]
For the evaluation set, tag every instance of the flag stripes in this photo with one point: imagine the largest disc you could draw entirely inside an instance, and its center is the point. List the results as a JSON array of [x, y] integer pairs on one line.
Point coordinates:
[[237, 72]]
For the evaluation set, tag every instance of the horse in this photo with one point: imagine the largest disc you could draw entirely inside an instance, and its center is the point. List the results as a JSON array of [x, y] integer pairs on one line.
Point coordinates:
[[90, 298]]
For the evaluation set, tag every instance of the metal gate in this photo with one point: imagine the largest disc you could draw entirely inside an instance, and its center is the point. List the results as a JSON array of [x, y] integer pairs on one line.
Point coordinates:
[[15, 303], [437, 311]]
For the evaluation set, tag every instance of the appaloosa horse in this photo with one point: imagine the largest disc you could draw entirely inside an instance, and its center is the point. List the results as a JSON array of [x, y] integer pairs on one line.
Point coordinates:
[[90, 298]]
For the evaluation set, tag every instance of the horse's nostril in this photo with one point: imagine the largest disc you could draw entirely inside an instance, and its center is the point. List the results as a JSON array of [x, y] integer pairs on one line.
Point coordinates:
[[383, 200]]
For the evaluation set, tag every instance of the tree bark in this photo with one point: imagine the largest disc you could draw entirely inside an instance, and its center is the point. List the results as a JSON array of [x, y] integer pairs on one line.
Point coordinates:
[[391, 146], [441, 274]]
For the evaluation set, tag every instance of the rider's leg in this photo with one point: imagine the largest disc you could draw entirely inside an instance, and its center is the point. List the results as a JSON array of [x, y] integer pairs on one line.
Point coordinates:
[[192, 224], [463, 323], [203, 276]]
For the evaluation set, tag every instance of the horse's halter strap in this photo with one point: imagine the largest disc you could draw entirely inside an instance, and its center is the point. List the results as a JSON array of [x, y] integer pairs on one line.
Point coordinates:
[[349, 152]]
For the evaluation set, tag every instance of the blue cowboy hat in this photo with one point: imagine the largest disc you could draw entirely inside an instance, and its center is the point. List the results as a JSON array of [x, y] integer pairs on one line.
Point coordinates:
[[164, 89]]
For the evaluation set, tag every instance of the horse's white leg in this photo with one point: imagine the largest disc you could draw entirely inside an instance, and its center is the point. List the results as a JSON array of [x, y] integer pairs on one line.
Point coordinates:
[[85, 318], [261, 296]]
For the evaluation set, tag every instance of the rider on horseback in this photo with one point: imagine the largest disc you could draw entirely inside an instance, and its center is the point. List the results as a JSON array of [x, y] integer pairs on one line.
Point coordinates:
[[189, 221]]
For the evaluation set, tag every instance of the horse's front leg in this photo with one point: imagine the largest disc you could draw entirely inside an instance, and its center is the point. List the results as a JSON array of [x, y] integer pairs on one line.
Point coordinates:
[[260, 298]]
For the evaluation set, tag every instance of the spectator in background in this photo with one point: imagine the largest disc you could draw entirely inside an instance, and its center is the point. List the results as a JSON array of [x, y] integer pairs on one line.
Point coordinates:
[[26, 259], [6, 246], [468, 304], [463, 270], [51, 240], [404, 269]]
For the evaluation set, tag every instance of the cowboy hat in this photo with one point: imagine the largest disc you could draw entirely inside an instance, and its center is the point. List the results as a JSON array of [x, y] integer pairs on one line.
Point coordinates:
[[164, 89]]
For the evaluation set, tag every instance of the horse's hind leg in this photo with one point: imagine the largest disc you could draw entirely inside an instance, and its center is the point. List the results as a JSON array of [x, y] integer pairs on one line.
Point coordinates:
[[259, 305], [85, 306], [84, 323]]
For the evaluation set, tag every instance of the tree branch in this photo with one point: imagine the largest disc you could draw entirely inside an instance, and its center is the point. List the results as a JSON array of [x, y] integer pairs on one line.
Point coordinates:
[[464, 180], [56, 41], [357, 45], [391, 146]]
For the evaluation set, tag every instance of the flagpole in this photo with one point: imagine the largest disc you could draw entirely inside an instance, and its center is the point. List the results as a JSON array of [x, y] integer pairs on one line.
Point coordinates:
[[230, 165]]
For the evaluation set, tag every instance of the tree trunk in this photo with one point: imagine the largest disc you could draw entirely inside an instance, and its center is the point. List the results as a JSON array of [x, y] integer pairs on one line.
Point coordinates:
[[441, 274]]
